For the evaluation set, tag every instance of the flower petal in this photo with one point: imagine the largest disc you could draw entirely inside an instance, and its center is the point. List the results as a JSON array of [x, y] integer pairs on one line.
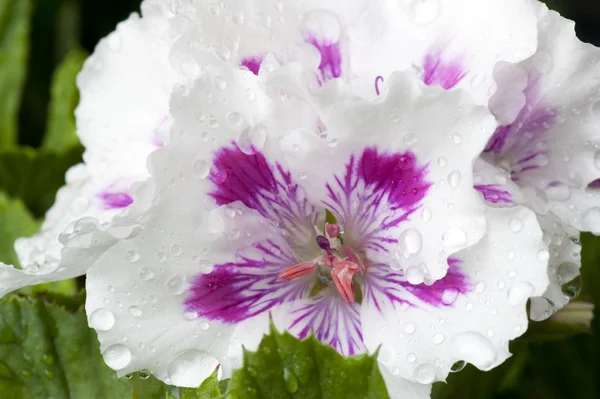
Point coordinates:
[[469, 315], [550, 141], [411, 152]]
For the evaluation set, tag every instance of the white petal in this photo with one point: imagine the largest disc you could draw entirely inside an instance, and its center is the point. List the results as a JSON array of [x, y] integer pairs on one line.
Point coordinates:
[[399, 388], [451, 43], [445, 322], [550, 142], [444, 131]]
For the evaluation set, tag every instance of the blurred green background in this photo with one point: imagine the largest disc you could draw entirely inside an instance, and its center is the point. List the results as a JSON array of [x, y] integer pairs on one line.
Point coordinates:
[[549, 362]]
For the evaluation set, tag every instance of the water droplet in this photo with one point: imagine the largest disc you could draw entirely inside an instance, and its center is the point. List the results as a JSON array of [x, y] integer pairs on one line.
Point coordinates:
[[426, 215], [475, 348], [252, 139], [415, 275], [454, 179], [479, 287], [590, 220], [146, 274], [411, 357], [569, 279], [410, 328], [204, 326], [438, 339], [144, 374], [558, 191], [176, 250], [135, 311], [176, 284], [454, 237], [102, 319], [132, 256], [442, 161], [449, 296], [291, 381], [235, 118], [424, 373], [201, 169], [457, 138], [516, 225], [216, 224], [458, 366], [410, 241], [543, 255], [519, 293], [597, 159], [220, 83], [190, 315], [117, 356], [191, 367]]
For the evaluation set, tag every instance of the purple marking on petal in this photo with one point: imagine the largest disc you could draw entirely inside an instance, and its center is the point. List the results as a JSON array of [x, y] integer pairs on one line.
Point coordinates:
[[495, 194], [333, 322], [115, 200], [444, 291], [252, 63], [378, 79], [595, 184], [266, 188], [233, 292], [522, 143], [439, 73], [157, 142], [331, 58], [376, 193], [382, 283]]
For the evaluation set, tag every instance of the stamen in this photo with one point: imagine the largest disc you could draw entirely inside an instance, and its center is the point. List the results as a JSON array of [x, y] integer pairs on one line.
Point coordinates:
[[324, 243], [299, 270], [350, 254], [341, 274], [332, 230]]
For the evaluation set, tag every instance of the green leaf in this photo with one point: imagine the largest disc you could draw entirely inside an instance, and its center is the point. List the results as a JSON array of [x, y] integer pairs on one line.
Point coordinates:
[[210, 389], [284, 367], [60, 131], [47, 350], [330, 217], [15, 18], [15, 222], [35, 176]]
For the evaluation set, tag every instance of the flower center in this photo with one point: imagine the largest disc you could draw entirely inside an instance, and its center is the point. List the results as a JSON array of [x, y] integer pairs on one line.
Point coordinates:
[[337, 263]]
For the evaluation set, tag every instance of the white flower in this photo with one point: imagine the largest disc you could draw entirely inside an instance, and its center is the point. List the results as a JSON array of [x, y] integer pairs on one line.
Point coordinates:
[[549, 109], [124, 110], [236, 234]]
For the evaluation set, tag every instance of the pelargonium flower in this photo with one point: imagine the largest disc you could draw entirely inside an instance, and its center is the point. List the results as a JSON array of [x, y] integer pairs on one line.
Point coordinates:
[[327, 214], [121, 118]]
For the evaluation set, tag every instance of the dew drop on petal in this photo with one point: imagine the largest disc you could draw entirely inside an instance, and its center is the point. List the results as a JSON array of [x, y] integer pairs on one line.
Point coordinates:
[[438, 339], [117, 356], [543, 255], [415, 275], [216, 224], [457, 138], [146, 274], [458, 366], [176, 284], [558, 191], [449, 296], [410, 328], [410, 241], [411, 357], [102, 319], [454, 179], [191, 367], [597, 159], [132, 256], [476, 349], [135, 311], [516, 225], [590, 220], [426, 215], [519, 293], [424, 373], [201, 169], [252, 139], [204, 325], [454, 237]]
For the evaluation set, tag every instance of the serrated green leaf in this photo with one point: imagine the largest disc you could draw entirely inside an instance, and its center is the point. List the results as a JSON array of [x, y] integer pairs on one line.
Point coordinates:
[[35, 176], [284, 367], [210, 389], [61, 131], [15, 18], [47, 350], [15, 222]]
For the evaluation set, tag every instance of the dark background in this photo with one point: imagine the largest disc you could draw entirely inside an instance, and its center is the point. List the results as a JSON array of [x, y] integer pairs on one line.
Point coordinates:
[[543, 367]]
